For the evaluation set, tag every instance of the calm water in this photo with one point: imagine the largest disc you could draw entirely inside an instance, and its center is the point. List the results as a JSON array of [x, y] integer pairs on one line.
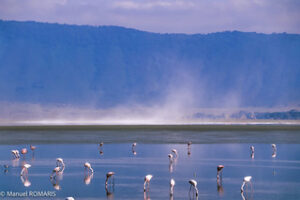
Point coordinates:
[[273, 178]]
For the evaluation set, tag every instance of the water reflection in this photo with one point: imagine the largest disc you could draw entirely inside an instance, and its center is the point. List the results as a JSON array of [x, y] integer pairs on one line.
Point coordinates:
[[55, 182], [88, 178], [25, 180], [152, 159], [109, 193]]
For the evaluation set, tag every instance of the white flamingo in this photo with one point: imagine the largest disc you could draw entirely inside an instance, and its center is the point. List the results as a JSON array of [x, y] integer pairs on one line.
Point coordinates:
[[170, 158], [109, 175], [274, 151], [220, 171], [60, 163], [25, 169], [247, 179], [15, 153], [87, 166], [175, 152], [147, 181], [193, 183]]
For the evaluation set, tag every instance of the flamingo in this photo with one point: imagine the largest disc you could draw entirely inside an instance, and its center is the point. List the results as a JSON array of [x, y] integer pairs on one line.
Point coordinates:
[[274, 150], [175, 152], [189, 148], [25, 169], [108, 175], [69, 198], [101, 144], [133, 148], [170, 158], [87, 166], [252, 151], [194, 184], [134, 145], [147, 181], [15, 153], [172, 184], [219, 170], [32, 147], [24, 151], [247, 179], [60, 162]]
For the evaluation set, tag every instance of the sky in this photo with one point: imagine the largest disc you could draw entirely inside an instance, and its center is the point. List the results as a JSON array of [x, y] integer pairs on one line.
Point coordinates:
[[163, 16]]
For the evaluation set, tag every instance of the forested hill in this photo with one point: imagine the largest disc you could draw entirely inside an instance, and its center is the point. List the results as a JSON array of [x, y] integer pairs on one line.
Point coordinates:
[[108, 65]]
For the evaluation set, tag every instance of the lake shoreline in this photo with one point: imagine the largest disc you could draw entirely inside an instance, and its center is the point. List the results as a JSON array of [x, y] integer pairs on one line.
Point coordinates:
[[187, 127]]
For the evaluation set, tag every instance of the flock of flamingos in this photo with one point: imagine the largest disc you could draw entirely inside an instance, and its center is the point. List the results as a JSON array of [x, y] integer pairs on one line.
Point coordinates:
[[60, 166]]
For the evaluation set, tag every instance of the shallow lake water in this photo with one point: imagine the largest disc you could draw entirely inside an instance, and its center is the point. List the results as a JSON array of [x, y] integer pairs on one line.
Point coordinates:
[[272, 177]]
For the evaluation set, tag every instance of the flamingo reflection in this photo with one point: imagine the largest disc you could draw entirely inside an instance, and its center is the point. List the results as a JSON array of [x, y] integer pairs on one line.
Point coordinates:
[[55, 182], [172, 184], [88, 178], [25, 181], [109, 193]]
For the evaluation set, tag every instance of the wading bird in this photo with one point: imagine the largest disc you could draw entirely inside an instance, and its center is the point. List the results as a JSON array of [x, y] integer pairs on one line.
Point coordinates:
[[172, 184], [133, 145], [88, 167], [189, 148], [108, 176], [274, 150], [147, 181], [252, 151], [175, 152], [32, 147], [60, 163], [25, 169], [193, 183], [219, 171], [15, 153], [24, 151], [170, 158], [133, 148], [247, 179]]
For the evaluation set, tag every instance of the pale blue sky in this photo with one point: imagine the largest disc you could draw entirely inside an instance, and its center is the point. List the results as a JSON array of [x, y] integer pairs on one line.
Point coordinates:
[[176, 16]]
